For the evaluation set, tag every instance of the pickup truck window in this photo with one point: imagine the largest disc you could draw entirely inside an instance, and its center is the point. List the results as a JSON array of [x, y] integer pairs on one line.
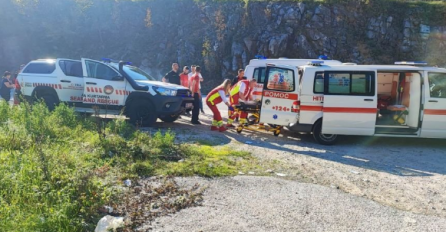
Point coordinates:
[[71, 68], [40, 68], [100, 71], [437, 85], [137, 74]]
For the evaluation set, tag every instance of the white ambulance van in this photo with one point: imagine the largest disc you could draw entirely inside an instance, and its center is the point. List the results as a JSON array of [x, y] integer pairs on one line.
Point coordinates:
[[106, 87], [370, 100], [257, 67]]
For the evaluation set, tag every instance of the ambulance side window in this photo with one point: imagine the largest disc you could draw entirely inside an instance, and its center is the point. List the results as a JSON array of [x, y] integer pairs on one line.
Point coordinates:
[[281, 79], [259, 75], [319, 82], [350, 83], [437, 85]]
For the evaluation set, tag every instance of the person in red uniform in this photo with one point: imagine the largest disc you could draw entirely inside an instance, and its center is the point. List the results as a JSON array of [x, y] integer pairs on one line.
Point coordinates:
[[215, 97], [184, 77], [195, 88], [241, 91]]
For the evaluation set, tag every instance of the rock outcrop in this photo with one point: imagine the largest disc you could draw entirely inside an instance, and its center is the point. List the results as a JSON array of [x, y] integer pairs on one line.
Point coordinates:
[[222, 36]]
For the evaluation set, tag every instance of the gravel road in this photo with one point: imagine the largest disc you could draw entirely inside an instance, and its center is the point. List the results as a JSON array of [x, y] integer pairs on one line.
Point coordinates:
[[373, 176], [245, 203]]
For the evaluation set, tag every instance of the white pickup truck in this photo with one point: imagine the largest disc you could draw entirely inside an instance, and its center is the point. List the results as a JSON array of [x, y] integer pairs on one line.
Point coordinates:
[[105, 86]]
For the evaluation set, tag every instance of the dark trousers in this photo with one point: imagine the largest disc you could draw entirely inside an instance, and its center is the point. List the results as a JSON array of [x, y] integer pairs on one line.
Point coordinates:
[[196, 110]]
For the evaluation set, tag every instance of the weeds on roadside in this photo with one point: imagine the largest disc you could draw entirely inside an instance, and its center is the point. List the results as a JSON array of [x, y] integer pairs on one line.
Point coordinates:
[[57, 169]]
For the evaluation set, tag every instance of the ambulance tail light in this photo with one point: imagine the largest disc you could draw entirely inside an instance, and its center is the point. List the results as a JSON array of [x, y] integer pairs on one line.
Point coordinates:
[[296, 107]]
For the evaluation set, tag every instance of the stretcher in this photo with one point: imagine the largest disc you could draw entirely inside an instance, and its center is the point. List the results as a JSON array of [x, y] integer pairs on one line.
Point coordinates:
[[254, 124]]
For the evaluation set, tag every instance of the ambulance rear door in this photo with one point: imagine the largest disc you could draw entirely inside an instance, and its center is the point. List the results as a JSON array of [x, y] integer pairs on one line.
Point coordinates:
[[350, 102], [279, 93]]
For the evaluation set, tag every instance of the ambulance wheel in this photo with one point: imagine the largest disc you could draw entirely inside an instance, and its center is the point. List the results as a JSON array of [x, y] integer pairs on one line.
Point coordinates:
[[141, 113], [324, 139], [169, 118], [239, 129], [277, 132]]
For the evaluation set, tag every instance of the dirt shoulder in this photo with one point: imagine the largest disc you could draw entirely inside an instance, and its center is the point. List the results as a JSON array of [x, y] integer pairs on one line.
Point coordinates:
[[408, 174], [246, 203]]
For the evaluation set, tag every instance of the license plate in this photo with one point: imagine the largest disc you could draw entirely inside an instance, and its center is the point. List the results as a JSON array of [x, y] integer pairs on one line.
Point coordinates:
[[189, 105]]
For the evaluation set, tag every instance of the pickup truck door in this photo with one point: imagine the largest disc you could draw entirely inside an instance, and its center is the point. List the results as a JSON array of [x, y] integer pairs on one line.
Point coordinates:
[[279, 94], [350, 102], [103, 85], [434, 119], [71, 83]]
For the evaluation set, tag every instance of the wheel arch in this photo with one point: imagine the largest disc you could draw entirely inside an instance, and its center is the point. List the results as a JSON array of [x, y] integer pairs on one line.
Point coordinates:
[[138, 96], [315, 122], [40, 91]]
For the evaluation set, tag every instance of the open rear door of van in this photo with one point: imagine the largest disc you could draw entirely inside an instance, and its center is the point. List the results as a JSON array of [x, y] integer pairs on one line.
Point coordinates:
[[279, 94], [350, 102]]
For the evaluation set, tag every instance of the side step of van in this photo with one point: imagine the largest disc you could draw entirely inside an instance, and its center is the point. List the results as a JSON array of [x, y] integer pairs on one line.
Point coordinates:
[[396, 130]]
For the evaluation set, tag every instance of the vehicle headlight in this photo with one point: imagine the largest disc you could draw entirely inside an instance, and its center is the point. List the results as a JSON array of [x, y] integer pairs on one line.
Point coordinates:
[[164, 92]]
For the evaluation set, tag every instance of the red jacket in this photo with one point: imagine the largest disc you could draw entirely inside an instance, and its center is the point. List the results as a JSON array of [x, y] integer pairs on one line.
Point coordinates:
[[214, 97]]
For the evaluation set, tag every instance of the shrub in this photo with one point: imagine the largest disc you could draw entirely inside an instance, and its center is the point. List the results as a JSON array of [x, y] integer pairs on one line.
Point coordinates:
[[57, 169]]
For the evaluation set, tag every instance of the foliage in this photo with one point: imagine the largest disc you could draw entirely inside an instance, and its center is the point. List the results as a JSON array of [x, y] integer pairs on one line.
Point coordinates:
[[57, 169]]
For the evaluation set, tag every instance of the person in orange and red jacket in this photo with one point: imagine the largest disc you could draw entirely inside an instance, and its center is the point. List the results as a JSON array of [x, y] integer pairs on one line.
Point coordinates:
[[194, 83], [184, 77], [239, 77], [242, 91], [215, 97]]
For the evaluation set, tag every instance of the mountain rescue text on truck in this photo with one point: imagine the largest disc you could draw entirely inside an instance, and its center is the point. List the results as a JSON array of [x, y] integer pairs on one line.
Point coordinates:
[[372, 100], [106, 87]]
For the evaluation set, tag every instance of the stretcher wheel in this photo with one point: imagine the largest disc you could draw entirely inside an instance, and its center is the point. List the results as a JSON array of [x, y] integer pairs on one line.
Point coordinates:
[[277, 132], [239, 129]]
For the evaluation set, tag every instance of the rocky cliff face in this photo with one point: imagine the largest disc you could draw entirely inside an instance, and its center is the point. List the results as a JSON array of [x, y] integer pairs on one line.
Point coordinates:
[[221, 36]]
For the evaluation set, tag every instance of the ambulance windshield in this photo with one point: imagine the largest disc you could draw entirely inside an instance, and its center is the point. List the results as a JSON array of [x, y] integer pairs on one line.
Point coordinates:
[[137, 74]]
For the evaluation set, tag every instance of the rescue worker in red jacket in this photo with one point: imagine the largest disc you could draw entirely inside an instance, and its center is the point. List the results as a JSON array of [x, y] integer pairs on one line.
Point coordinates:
[[241, 91], [215, 97]]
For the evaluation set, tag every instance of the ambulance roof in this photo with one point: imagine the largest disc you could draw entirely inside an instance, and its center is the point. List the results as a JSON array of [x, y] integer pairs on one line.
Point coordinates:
[[377, 67], [285, 61]]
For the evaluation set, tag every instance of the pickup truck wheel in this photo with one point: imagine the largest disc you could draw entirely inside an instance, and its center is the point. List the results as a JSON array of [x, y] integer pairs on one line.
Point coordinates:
[[169, 118], [142, 113], [324, 139], [50, 101]]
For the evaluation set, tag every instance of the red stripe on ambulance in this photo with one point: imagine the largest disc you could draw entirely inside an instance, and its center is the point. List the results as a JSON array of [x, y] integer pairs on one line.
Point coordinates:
[[350, 110], [434, 112], [281, 95], [311, 108]]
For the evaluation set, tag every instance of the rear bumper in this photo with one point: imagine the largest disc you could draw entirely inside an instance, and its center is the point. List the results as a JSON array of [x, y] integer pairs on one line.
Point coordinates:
[[167, 105]]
